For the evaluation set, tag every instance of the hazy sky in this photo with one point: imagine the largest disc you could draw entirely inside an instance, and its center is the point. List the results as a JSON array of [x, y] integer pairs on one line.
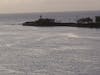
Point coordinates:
[[14, 6]]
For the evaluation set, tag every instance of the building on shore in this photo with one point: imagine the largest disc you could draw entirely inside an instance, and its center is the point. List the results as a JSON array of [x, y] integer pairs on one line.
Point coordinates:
[[97, 19]]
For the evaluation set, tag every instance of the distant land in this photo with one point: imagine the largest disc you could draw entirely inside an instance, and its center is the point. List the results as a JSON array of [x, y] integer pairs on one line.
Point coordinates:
[[83, 22]]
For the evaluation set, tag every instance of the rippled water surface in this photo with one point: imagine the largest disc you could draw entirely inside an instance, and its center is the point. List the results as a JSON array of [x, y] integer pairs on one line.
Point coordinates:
[[49, 51]]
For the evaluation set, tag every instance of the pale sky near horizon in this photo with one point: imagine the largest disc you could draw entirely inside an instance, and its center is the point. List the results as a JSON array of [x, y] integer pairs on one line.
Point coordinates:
[[21, 6]]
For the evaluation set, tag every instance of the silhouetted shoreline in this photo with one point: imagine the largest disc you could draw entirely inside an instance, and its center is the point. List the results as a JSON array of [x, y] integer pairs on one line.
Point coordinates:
[[91, 25], [83, 22]]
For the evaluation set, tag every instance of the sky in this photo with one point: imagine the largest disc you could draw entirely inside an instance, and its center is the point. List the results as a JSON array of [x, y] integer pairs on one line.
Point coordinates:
[[24, 6]]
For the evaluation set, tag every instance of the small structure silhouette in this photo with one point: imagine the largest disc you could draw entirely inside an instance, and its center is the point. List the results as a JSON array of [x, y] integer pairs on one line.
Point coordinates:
[[41, 22], [97, 19]]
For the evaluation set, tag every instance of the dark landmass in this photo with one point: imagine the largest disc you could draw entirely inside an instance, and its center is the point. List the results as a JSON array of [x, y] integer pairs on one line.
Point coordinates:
[[83, 22]]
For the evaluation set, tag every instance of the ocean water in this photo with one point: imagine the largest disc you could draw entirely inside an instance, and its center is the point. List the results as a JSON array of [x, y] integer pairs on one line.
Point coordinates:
[[14, 19], [26, 50]]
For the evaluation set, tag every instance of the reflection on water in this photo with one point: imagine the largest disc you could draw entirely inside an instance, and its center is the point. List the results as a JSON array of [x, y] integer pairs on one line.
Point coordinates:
[[49, 51]]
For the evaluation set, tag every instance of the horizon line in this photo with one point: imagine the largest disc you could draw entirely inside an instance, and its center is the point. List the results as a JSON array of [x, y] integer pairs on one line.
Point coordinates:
[[51, 12]]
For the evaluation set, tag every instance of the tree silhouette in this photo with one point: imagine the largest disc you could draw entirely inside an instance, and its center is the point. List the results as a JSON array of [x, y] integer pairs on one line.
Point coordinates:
[[85, 20]]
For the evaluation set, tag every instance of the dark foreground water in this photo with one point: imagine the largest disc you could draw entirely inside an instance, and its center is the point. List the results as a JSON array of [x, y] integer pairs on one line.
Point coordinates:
[[49, 51]]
